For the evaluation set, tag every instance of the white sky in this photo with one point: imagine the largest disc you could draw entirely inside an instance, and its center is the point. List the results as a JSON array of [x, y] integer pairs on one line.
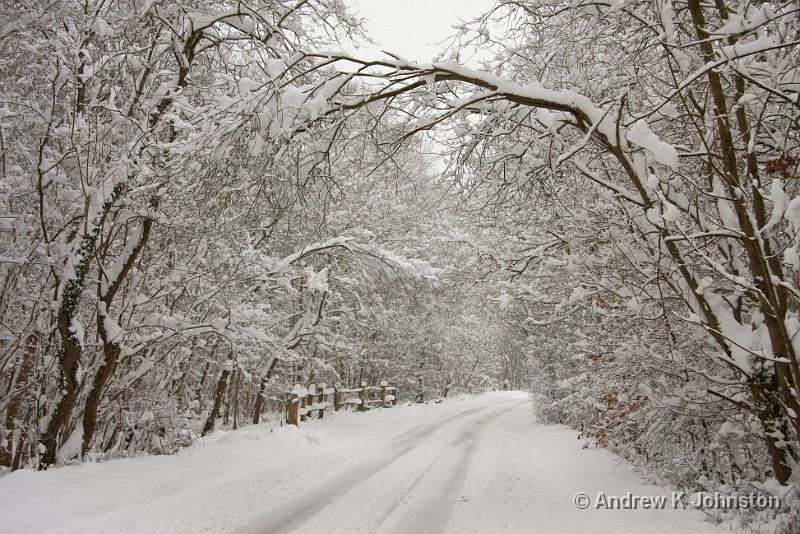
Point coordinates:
[[412, 28]]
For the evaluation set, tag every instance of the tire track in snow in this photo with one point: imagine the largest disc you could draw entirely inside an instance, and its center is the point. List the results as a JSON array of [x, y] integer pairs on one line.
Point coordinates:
[[368, 507], [436, 493], [290, 516]]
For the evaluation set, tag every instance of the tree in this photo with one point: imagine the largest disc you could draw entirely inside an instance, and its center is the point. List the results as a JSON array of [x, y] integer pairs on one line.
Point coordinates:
[[120, 114]]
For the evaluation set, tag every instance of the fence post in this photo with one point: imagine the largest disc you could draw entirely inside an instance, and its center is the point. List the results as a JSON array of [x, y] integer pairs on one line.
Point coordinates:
[[394, 400], [321, 401], [337, 398], [293, 408], [363, 396], [384, 384]]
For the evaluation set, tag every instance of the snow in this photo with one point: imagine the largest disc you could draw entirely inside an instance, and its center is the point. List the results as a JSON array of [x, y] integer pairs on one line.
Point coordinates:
[[248, 85], [72, 447], [505, 301], [476, 464], [671, 213], [790, 257], [792, 213], [218, 324], [738, 50], [299, 390], [779, 203], [102, 28], [318, 280], [738, 24], [76, 329], [113, 330], [641, 135]]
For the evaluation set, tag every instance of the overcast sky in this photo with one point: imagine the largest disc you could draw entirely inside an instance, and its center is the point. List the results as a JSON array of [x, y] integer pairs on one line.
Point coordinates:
[[412, 28]]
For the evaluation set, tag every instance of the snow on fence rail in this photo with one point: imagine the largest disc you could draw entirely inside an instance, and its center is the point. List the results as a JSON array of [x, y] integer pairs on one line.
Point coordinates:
[[302, 402]]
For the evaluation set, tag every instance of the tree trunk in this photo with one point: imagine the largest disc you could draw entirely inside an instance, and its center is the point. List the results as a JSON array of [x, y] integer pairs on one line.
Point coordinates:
[[111, 345], [262, 389], [229, 399], [770, 415], [15, 402], [446, 389], [69, 355], [70, 351], [104, 373], [222, 385], [236, 400], [259, 400]]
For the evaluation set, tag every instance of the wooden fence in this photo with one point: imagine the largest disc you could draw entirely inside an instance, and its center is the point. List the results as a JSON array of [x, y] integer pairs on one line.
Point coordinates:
[[302, 402]]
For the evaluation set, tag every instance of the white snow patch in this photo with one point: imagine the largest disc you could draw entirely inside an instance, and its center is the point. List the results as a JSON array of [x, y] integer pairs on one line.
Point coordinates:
[[664, 153], [72, 447], [792, 213], [317, 280], [505, 301]]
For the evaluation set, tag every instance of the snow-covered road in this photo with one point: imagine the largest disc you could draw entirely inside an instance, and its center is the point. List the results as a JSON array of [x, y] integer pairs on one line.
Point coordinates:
[[413, 483], [471, 465]]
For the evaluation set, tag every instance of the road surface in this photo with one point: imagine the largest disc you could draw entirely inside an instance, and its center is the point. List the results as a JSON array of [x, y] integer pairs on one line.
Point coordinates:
[[488, 468]]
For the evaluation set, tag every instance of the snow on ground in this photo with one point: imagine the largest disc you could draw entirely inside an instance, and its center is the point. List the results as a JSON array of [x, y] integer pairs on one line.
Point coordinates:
[[477, 464]]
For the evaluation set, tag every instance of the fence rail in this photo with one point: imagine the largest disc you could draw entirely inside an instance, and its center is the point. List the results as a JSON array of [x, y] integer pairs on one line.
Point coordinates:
[[302, 402]]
